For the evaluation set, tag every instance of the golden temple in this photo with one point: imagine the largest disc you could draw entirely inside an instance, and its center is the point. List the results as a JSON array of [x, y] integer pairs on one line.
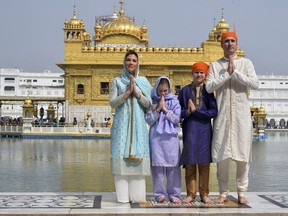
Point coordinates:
[[90, 63]]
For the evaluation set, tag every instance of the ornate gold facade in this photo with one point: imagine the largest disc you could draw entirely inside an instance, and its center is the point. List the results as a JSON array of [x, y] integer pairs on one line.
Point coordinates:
[[91, 64]]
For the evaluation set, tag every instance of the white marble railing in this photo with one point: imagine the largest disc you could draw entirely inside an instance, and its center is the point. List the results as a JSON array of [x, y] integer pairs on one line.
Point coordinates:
[[10, 129]]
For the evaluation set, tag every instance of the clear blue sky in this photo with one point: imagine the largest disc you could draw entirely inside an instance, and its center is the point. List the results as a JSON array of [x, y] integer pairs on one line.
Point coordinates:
[[32, 37]]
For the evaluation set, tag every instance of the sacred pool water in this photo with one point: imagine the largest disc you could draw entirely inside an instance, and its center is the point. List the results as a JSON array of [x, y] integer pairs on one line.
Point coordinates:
[[70, 165]]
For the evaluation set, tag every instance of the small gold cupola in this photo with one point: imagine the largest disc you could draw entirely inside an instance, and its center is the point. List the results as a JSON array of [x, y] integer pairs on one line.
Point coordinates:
[[74, 28], [211, 36], [221, 27]]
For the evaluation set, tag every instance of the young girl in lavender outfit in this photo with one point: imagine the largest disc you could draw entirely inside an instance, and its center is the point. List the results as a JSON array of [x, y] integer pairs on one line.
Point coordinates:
[[163, 118]]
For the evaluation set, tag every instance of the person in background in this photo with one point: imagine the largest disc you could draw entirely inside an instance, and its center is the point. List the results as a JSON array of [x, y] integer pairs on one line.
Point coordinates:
[[231, 77], [130, 95], [109, 122], [164, 118], [92, 123], [198, 108], [75, 121]]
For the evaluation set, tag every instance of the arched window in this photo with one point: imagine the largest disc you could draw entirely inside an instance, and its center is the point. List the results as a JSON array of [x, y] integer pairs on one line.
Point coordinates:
[[272, 123], [78, 35], [9, 88], [27, 113], [261, 122], [9, 79], [80, 89], [104, 88], [282, 123]]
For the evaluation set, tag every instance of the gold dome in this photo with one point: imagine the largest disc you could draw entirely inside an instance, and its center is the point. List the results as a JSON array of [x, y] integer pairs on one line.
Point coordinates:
[[122, 25], [50, 107], [98, 27], [27, 102], [74, 21], [222, 26], [261, 110], [240, 52], [219, 29], [126, 30], [212, 34], [253, 108], [86, 34]]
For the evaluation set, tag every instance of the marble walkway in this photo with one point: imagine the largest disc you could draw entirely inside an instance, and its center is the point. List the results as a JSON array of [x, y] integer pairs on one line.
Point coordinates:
[[44, 204]]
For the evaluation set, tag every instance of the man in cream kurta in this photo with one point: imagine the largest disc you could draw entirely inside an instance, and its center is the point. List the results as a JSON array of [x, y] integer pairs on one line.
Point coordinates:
[[231, 77]]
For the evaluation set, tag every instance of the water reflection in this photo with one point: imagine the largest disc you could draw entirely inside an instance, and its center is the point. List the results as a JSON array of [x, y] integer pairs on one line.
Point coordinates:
[[54, 165], [269, 168], [84, 165]]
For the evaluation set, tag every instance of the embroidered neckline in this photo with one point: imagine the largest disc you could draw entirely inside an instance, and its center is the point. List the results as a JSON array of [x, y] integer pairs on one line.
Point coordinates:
[[197, 99]]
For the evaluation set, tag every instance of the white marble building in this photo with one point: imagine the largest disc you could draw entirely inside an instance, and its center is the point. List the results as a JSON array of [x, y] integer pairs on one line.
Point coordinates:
[[273, 96], [15, 83]]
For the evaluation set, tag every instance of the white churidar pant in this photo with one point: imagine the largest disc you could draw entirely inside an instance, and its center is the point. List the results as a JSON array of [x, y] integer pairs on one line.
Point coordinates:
[[130, 188]]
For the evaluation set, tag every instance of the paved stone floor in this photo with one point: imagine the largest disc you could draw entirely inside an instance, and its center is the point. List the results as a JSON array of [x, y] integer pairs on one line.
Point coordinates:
[[266, 203], [49, 201]]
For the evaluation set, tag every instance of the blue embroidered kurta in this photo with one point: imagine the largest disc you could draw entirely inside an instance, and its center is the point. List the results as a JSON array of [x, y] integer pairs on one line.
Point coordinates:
[[197, 128], [129, 132]]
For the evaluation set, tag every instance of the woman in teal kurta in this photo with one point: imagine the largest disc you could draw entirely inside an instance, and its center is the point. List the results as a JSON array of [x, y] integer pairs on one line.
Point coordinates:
[[130, 160]]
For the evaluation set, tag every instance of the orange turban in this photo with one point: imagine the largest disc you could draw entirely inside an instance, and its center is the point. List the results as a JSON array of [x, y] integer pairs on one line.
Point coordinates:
[[200, 66], [228, 34]]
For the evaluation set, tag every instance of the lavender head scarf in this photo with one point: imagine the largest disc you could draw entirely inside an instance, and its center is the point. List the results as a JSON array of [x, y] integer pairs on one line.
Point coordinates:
[[172, 103]]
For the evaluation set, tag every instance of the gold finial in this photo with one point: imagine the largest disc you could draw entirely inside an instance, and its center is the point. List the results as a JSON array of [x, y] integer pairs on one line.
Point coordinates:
[[97, 21], [114, 13], [121, 3], [121, 12], [74, 12], [222, 13]]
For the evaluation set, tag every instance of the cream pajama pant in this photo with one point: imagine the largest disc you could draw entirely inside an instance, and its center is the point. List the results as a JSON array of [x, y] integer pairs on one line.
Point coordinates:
[[242, 170]]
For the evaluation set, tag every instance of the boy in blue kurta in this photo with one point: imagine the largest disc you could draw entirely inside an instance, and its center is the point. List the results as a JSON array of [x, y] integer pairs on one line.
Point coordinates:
[[198, 107], [163, 118]]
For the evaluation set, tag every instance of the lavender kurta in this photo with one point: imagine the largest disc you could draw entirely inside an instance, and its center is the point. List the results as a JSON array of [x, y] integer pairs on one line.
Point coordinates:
[[164, 129], [197, 128], [232, 136]]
